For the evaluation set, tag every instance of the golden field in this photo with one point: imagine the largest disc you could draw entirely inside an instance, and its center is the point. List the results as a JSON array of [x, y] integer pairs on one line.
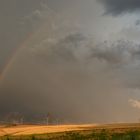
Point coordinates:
[[42, 129]]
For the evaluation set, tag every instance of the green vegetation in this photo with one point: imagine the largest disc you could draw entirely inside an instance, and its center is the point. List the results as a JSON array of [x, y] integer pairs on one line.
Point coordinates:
[[82, 135]]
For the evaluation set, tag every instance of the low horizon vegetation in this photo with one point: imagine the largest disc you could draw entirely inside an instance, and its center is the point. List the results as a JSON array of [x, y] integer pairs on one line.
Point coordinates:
[[102, 134]]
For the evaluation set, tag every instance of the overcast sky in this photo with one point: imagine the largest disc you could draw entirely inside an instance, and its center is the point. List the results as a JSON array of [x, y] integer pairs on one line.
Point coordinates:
[[76, 59]]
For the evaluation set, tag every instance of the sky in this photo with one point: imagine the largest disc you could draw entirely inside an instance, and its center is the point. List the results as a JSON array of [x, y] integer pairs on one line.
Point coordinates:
[[76, 60]]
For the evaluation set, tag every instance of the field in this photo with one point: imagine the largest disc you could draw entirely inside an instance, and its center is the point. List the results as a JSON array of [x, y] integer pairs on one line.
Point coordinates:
[[71, 132]]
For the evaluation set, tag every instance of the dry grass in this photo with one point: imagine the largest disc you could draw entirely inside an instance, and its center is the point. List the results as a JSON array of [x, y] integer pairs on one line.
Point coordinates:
[[37, 129]]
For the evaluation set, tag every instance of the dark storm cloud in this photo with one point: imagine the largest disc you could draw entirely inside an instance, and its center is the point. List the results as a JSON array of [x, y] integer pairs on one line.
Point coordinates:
[[77, 49], [116, 7], [68, 46], [57, 73], [137, 23], [60, 71], [114, 53], [117, 52]]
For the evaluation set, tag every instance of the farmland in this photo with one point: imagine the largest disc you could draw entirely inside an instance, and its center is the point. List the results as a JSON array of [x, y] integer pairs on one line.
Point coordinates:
[[71, 132]]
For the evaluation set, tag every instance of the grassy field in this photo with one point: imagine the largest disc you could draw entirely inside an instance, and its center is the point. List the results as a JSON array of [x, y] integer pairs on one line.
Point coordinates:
[[72, 132]]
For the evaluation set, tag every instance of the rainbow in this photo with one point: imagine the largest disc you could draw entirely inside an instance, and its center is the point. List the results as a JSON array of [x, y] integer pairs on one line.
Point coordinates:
[[31, 36], [13, 57]]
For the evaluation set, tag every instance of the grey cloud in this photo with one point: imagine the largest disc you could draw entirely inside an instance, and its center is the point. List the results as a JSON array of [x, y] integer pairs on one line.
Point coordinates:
[[118, 52], [76, 45], [70, 72], [121, 57], [56, 74], [116, 7], [34, 19], [66, 73], [137, 23]]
